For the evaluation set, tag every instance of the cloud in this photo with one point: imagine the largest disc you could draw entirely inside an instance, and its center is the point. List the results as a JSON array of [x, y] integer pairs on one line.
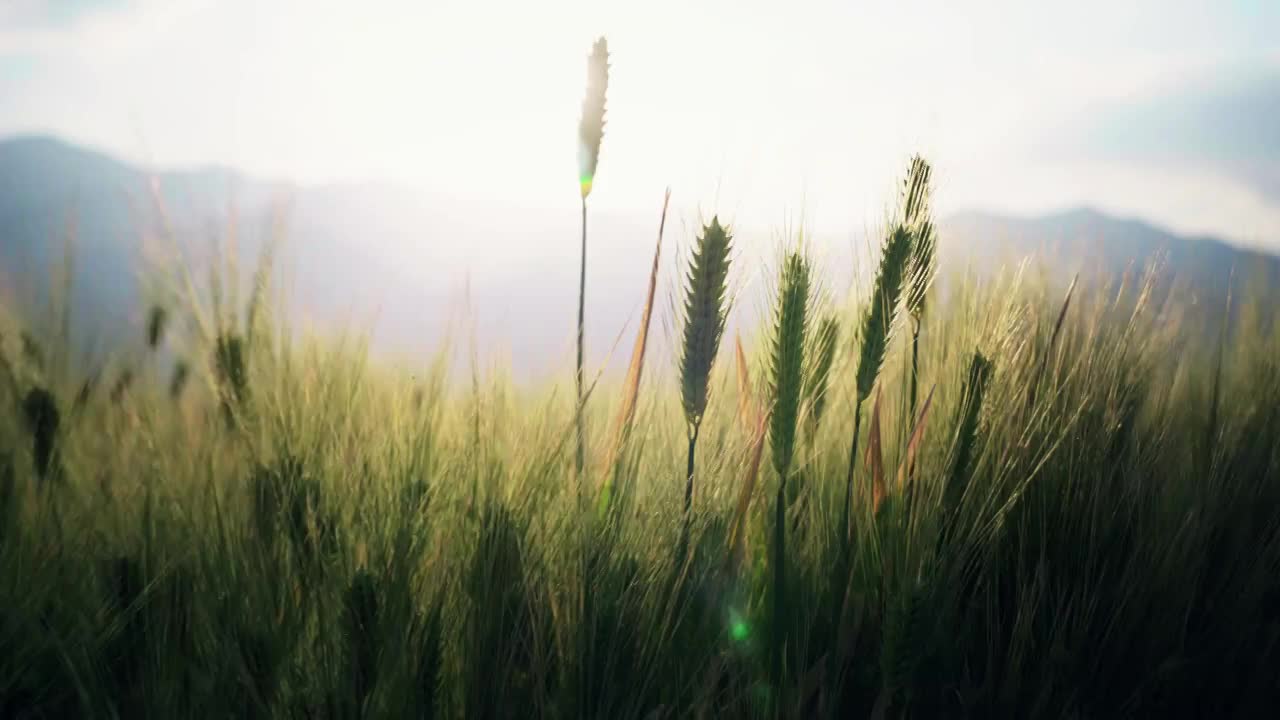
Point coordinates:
[[1222, 122], [85, 27]]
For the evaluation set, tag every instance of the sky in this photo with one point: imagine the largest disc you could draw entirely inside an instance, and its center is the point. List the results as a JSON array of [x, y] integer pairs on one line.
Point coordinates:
[[762, 111]]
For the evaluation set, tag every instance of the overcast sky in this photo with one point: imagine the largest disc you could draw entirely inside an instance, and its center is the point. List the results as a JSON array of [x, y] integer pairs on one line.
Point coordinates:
[[763, 110]]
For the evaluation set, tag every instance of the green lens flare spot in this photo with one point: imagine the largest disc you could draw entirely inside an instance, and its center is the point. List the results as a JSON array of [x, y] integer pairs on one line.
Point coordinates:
[[585, 182], [739, 630]]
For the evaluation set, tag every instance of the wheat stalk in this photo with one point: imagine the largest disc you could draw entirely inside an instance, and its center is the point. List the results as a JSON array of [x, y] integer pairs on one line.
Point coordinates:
[[591, 124], [157, 322], [970, 415], [791, 324], [1053, 340], [787, 366], [631, 391], [875, 458], [917, 219], [705, 312], [907, 469], [877, 325], [738, 527], [590, 134]]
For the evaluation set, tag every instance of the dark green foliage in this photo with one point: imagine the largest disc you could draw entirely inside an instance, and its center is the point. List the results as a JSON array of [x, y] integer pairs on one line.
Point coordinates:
[[8, 490], [40, 410], [975, 387], [428, 663], [286, 499], [499, 666], [126, 651], [907, 639], [178, 597], [268, 486], [362, 636], [260, 659], [157, 323], [415, 496]]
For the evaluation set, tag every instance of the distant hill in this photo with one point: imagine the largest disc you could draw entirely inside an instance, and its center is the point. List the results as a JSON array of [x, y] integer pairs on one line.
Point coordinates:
[[356, 255], [353, 256], [1103, 248], [51, 191]]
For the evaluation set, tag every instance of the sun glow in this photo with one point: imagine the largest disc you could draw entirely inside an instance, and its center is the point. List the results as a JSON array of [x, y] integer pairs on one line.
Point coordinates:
[[761, 111], [742, 108]]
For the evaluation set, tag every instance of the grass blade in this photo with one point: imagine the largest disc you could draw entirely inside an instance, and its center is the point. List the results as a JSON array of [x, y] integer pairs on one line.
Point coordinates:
[[631, 390], [907, 469], [875, 458]]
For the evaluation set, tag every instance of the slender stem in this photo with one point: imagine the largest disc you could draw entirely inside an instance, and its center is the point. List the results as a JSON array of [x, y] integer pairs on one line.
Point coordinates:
[[579, 459], [853, 461], [915, 364], [779, 587], [911, 416], [688, 485]]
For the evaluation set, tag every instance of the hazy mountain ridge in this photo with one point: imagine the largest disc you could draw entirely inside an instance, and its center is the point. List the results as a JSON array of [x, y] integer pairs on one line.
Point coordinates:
[[355, 254]]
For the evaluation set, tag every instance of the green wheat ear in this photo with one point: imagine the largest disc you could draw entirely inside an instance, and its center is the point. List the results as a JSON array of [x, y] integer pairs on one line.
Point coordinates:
[[590, 133], [917, 218], [40, 411], [970, 415], [877, 323], [157, 323], [591, 126], [705, 311], [791, 325]]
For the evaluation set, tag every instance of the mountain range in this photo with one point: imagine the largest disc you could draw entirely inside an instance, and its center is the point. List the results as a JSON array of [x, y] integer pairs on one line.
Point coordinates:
[[408, 264]]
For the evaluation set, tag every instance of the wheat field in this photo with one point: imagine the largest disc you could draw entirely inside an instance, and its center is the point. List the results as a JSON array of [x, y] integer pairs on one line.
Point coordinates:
[[995, 499]]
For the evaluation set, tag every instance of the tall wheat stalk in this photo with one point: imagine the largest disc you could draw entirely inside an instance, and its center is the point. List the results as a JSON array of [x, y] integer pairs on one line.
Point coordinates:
[[875, 459], [790, 329], [877, 324], [918, 220], [705, 312], [590, 134], [967, 422], [631, 391]]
